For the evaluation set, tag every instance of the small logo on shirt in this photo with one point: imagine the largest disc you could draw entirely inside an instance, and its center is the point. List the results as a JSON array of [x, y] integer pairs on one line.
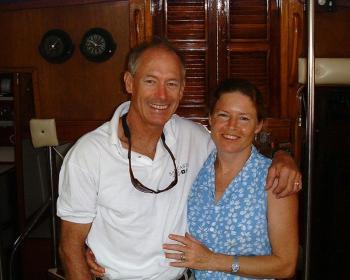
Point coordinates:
[[181, 169]]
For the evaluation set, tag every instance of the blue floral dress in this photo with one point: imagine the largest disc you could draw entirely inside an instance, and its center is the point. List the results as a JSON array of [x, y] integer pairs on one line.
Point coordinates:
[[237, 223]]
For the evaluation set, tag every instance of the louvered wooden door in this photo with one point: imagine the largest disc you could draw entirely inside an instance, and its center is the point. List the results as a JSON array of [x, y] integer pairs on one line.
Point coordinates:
[[227, 38], [219, 39], [188, 24]]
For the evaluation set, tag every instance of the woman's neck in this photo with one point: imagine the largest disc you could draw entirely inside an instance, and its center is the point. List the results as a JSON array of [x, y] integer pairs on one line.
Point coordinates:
[[227, 166]]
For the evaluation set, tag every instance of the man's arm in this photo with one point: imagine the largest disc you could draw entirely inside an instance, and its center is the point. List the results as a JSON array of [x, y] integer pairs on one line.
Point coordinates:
[[72, 250], [284, 176]]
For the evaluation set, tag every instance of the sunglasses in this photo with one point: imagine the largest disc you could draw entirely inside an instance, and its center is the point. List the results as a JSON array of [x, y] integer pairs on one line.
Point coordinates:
[[136, 183]]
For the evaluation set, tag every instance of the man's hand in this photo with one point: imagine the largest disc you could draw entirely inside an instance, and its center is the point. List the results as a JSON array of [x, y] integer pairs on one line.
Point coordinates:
[[284, 176], [95, 269]]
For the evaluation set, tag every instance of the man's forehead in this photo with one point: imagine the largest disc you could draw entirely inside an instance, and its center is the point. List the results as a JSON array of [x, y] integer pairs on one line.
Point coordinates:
[[152, 60]]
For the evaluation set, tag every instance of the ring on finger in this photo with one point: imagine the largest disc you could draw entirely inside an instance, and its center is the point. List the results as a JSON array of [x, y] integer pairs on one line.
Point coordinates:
[[182, 257]]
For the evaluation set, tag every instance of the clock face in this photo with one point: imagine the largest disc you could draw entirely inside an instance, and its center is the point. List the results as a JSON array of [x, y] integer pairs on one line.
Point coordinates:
[[97, 45], [56, 46]]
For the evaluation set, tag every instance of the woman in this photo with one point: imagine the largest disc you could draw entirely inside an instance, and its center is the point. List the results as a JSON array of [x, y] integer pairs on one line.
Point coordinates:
[[237, 229]]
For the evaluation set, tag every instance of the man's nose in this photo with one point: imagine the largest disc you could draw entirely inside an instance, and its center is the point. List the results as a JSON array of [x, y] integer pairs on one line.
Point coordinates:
[[161, 91]]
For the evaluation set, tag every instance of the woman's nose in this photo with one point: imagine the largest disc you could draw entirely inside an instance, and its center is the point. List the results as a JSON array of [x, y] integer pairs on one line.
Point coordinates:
[[232, 123]]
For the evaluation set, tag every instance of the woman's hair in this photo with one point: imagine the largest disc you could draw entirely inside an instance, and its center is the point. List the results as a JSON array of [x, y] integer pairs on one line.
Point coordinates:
[[243, 87], [154, 43]]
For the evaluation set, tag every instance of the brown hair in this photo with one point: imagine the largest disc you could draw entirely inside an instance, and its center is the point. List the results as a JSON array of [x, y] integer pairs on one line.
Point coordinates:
[[242, 86]]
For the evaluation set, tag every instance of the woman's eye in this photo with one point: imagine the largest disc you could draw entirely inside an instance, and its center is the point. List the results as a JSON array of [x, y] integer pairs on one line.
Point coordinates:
[[222, 115], [244, 118]]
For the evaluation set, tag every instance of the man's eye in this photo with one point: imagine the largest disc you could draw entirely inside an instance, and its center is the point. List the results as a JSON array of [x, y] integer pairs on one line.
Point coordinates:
[[150, 82], [173, 84]]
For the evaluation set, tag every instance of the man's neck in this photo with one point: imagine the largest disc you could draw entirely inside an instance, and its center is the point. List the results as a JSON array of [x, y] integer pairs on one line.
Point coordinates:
[[144, 138]]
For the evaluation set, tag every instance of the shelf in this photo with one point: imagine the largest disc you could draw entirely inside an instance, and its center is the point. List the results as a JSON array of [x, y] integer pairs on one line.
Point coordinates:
[[6, 123], [6, 98], [7, 154]]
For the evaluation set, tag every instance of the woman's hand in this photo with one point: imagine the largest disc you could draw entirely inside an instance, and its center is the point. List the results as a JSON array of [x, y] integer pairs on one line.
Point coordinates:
[[95, 268], [189, 253]]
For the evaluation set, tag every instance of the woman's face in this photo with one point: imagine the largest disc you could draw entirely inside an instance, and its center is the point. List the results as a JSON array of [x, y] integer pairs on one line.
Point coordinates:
[[234, 123]]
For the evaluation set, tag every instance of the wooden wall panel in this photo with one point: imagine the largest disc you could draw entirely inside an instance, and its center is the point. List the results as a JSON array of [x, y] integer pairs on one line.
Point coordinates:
[[332, 31], [77, 90]]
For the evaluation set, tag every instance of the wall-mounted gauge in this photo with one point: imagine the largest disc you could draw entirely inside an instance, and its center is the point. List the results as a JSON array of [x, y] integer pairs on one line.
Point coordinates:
[[97, 45], [56, 46]]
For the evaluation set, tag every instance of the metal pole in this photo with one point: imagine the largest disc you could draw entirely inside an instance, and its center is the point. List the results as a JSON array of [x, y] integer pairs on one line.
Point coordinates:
[[53, 207], [310, 130]]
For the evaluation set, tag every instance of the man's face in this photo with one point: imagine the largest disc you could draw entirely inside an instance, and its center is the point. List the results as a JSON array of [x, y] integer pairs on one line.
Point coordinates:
[[157, 86]]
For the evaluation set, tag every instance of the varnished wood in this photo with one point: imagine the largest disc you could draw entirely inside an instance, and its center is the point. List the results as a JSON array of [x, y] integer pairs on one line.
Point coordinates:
[[244, 39], [77, 90], [140, 21], [332, 32], [292, 46], [29, 4]]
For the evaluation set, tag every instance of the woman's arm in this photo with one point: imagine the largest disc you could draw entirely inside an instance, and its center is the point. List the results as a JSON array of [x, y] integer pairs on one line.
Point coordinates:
[[283, 234]]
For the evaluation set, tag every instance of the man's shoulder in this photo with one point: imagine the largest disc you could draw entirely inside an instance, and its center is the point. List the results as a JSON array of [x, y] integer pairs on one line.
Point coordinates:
[[92, 140], [189, 126]]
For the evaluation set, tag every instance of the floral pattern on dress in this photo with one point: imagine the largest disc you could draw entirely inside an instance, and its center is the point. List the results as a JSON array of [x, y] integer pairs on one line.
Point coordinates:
[[237, 223]]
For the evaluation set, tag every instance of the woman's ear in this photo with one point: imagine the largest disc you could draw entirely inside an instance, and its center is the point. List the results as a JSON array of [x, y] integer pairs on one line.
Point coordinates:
[[259, 127], [129, 82]]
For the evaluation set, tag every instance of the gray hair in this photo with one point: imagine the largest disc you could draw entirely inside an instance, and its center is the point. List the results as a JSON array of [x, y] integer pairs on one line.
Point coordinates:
[[154, 43]]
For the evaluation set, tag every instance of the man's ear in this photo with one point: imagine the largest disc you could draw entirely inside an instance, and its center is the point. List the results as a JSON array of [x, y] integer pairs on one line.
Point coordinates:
[[129, 82], [182, 89]]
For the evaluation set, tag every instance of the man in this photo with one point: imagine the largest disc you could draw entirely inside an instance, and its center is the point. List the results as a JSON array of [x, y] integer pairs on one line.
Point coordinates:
[[123, 187]]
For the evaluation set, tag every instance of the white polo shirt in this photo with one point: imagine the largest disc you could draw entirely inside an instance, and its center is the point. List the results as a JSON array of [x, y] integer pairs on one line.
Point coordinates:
[[129, 227]]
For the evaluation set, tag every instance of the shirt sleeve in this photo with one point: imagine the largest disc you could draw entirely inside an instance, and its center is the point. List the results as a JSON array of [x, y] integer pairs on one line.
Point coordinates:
[[78, 189]]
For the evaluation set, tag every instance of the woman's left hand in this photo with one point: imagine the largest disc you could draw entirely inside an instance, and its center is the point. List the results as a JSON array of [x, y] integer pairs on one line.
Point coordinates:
[[189, 252]]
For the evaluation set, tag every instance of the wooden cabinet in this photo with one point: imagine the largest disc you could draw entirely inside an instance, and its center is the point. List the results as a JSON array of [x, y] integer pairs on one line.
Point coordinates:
[[257, 40], [16, 108], [78, 93], [7, 109]]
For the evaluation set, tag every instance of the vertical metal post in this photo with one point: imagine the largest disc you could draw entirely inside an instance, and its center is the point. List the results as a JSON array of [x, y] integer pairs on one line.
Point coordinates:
[[310, 130], [53, 207]]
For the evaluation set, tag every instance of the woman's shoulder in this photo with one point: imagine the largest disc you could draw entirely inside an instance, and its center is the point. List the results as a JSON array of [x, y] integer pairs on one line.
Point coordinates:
[[260, 159]]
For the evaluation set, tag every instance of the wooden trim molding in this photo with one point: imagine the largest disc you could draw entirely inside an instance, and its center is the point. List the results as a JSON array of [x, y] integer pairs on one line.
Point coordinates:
[[140, 21], [29, 4]]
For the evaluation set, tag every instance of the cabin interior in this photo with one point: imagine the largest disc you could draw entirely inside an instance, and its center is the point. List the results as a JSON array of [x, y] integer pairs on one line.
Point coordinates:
[[264, 41]]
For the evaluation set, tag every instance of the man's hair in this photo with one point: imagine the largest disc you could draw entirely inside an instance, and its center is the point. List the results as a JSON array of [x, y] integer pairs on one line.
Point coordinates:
[[244, 87], [154, 43]]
